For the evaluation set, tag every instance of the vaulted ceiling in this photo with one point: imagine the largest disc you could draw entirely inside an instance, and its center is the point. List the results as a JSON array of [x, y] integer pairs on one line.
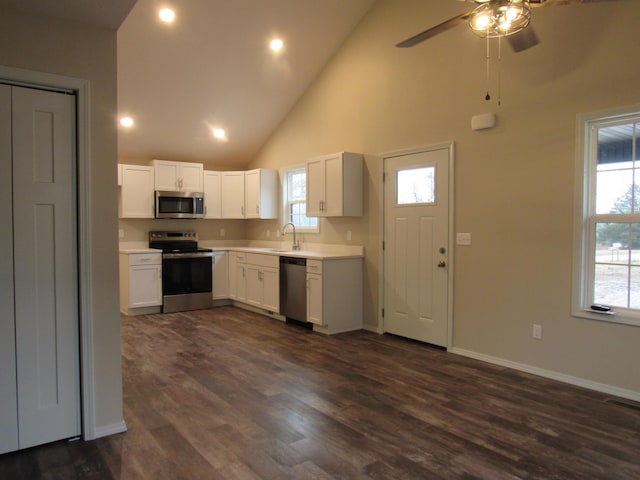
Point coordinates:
[[109, 14], [213, 68]]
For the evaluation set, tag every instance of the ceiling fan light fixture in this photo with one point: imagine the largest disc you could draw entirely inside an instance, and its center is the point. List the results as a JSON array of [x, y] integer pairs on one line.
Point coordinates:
[[499, 18]]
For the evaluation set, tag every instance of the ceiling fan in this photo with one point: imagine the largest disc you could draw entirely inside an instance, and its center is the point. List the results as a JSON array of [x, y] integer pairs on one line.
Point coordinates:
[[496, 18]]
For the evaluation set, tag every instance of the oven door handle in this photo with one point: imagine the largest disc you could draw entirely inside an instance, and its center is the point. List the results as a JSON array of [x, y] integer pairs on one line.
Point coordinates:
[[187, 255]]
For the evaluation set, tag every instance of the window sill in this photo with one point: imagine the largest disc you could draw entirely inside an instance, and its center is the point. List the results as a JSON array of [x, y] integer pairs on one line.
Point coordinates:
[[621, 316]]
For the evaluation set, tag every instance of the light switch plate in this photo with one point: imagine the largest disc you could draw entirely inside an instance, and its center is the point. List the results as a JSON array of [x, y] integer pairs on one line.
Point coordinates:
[[463, 239]]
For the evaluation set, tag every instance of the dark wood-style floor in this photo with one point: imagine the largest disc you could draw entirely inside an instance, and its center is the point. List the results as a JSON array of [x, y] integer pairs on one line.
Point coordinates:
[[228, 394]]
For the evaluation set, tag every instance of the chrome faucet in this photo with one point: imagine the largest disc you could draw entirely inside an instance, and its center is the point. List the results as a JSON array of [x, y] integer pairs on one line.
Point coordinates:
[[295, 245]]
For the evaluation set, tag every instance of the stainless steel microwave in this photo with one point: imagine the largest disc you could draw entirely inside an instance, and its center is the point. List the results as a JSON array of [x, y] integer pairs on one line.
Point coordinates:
[[179, 204]]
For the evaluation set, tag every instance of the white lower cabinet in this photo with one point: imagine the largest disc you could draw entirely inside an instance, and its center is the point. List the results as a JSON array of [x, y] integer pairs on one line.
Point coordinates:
[[334, 294], [140, 283], [263, 282], [238, 276], [314, 298], [220, 275], [254, 279]]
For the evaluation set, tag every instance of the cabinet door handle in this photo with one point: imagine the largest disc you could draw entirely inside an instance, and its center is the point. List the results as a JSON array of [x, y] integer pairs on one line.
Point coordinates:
[[242, 211], [258, 209], [243, 272]]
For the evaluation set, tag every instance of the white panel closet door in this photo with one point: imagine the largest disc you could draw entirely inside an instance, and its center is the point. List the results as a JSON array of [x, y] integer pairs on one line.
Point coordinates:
[[45, 264], [8, 399]]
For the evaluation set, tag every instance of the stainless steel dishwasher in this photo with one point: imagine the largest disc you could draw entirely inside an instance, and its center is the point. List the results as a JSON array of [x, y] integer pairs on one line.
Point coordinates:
[[293, 288]]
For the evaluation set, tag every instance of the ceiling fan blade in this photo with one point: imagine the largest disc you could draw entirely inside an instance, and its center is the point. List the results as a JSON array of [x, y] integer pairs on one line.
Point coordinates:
[[553, 3], [432, 32], [523, 40]]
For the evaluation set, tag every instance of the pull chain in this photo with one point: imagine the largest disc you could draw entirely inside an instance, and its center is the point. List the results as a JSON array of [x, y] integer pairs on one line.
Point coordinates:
[[488, 97], [499, 70]]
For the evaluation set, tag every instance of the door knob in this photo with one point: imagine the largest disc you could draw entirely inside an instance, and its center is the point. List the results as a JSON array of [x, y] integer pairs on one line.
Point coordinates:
[[442, 264]]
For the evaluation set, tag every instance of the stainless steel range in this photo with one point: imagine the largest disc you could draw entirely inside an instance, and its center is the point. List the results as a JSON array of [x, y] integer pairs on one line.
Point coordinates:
[[186, 271]]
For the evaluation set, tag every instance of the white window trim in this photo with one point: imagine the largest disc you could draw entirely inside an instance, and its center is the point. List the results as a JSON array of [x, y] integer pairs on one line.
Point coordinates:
[[585, 183], [285, 203]]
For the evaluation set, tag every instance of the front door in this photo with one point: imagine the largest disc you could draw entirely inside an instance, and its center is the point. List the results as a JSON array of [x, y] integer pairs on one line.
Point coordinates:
[[416, 244]]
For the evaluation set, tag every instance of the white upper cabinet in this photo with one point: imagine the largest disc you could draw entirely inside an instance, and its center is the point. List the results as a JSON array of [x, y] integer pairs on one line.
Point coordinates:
[[232, 186], [334, 185], [212, 188], [261, 193], [136, 192], [178, 176]]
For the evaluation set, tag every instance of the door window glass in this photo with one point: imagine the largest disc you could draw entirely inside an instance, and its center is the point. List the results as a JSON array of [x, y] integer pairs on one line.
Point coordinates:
[[416, 185]]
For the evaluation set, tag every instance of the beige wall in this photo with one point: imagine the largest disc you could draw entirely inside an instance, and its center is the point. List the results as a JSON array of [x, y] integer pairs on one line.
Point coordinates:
[[75, 50], [514, 184], [137, 229]]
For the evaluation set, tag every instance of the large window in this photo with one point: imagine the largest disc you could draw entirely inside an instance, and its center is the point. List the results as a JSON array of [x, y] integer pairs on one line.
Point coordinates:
[[295, 200], [609, 266]]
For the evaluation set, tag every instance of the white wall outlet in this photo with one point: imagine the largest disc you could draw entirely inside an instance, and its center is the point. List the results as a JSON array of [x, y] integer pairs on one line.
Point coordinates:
[[348, 235], [537, 331], [463, 239], [268, 233], [222, 232]]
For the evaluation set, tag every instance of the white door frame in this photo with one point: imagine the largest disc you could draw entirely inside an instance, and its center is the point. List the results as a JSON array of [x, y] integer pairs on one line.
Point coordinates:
[[29, 78], [451, 260]]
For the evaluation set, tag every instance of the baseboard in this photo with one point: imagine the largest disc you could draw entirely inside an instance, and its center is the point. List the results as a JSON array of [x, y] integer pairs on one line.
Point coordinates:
[[258, 310], [112, 429], [372, 328], [561, 377]]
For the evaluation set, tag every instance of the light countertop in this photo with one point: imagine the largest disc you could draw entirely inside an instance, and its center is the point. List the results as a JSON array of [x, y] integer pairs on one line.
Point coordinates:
[[129, 251], [311, 251]]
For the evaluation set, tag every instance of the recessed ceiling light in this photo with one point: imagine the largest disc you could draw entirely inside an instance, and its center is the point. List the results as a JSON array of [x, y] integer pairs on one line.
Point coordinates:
[[219, 133], [167, 15], [276, 44], [127, 122]]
